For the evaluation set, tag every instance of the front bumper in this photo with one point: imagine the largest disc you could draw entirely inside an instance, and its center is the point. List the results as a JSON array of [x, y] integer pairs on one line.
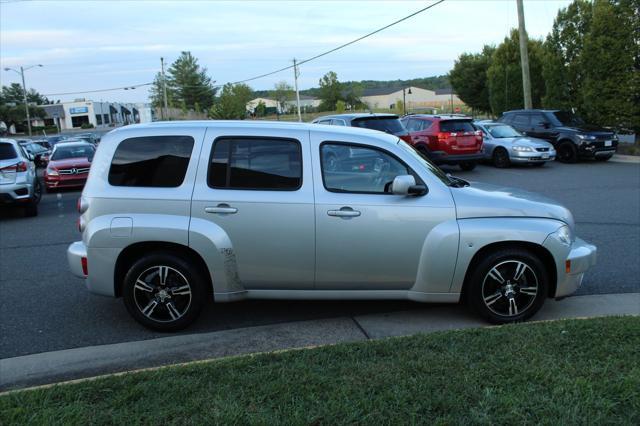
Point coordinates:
[[531, 157], [571, 263], [597, 149], [66, 181]]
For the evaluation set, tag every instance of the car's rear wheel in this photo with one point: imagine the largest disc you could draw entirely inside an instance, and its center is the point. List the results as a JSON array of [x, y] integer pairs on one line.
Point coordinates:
[[467, 166], [567, 152], [164, 292], [501, 158], [509, 285]]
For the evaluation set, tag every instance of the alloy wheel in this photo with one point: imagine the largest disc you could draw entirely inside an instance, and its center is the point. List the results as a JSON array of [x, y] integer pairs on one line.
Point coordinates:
[[162, 294], [510, 288]]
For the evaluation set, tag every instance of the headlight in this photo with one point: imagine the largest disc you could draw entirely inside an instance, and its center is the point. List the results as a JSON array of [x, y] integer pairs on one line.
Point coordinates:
[[520, 148], [52, 172], [565, 235], [587, 137]]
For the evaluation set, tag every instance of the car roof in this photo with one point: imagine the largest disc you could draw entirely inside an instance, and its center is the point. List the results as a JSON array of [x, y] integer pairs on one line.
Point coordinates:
[[251, 124], [440, 116], [529, 110], [356, 115], [7, 140], [72, 143]]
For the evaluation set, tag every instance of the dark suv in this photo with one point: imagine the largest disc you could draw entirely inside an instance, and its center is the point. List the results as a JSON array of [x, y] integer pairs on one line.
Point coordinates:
[[446, 139], [572, 138], [388, 123]]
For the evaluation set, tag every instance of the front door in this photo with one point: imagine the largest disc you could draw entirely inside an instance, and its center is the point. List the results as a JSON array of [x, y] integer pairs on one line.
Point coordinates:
[[367, 238], [253, 186]]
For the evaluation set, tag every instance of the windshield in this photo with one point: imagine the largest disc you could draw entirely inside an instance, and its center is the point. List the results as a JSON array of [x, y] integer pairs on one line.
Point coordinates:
[[568, 118], [503, 131], [34, 148], [390, 125], [78, 151], [426, 162]]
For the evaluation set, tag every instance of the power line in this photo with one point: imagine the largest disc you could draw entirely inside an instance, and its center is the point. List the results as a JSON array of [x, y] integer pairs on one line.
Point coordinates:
[[134, 86]]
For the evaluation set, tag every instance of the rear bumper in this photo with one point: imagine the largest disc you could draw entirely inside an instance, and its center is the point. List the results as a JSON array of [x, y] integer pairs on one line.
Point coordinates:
[[16, 193], [75, 253], [441, 157]]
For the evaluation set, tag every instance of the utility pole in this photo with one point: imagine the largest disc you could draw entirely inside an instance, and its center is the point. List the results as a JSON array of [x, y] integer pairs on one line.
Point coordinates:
[[26, 103], [296, 75], [524, 57], [164, 92]]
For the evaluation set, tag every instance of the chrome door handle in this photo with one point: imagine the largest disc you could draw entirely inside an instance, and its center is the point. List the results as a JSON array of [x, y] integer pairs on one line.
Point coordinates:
[[344, 212], [221, 208]]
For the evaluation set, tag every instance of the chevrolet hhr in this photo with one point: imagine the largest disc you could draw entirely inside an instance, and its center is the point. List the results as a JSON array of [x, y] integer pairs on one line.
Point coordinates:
[[175, 214]]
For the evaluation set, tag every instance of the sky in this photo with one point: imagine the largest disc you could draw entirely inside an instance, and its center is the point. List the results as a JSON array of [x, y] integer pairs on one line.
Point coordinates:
[[91, 44]]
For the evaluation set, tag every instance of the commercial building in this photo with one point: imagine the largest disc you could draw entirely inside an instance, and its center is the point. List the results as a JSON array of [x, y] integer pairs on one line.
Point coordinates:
[[416, 98], [75, 114], [306, 103]]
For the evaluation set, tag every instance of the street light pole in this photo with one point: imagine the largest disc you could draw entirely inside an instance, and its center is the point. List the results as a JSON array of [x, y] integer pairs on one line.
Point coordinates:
[[524, 57], [404, 99], [24, 91]]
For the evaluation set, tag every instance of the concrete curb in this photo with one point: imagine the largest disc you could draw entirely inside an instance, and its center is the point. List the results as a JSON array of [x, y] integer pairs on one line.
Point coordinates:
[[632, 159], [65, 365]]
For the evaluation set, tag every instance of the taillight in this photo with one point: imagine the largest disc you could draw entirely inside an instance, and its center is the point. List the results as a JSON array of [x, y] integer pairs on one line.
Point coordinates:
[[85, 266], [478, 134], [443, 136], [21, 166]]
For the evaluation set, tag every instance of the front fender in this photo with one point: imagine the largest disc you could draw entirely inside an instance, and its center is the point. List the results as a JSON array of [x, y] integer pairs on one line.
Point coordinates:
[[478, 233], [214, 246]]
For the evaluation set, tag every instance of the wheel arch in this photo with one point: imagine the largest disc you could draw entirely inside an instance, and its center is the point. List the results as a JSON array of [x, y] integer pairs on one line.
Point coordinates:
[[133, 252], [540, 251]]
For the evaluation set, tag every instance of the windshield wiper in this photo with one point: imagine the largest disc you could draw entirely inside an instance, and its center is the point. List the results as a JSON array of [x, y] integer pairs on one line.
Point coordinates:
[[456, 182]]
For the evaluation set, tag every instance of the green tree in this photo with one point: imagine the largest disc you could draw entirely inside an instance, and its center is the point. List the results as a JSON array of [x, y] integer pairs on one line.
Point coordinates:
[[282, 94], [330, 91], [504, 75], [156, 93], [352, 92], [469, 78], [12, 110], [610, 90], [340, 106], [260, 109], [232, 103], [562, 66], [189, 83]]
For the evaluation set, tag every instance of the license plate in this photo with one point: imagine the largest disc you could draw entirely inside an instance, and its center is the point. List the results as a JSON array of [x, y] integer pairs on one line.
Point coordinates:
[[607, 143], [545, 156]]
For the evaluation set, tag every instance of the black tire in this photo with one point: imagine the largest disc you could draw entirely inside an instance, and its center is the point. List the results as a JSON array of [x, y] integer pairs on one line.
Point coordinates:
[[31, 209], [184, 308], [567, 152], [467, 166], [501, 158], [492, 299], [605, 158]]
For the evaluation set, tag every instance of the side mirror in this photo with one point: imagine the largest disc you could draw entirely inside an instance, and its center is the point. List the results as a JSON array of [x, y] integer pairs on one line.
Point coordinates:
[[406, 185]]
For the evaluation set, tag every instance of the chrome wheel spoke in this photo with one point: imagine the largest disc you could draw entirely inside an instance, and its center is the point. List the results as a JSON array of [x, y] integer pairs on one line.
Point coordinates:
[[143, 286], [163, 271], [490, 300], [529, 291], [520, 268], [513, 307], [181, 291], [148, 310], [173, 312], [495, 274]]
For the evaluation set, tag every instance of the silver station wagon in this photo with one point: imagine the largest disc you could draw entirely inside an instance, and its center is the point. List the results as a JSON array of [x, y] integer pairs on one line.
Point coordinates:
[[175, 214]]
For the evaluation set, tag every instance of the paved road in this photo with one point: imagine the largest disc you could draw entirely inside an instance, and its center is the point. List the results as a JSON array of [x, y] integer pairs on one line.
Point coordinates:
[[44, 308]]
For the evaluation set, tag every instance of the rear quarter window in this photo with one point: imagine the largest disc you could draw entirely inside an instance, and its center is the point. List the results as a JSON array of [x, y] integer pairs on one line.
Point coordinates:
[[7, 151], [151, 161]]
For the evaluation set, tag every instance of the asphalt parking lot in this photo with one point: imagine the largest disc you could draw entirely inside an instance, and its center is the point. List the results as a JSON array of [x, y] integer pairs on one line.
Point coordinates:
[[44, 308]]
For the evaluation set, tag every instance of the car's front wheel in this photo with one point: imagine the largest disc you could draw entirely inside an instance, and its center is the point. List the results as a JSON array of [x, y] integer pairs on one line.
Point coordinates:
[[164, 292], [567, 152], [508, 285], [501, 158]]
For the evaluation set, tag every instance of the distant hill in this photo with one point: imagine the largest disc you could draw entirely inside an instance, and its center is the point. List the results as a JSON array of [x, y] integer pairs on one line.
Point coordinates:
[[431, 83]]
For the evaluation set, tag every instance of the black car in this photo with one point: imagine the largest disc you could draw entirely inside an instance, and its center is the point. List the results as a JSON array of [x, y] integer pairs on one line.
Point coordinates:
[[388, 123], [39, 153], [572, 138]]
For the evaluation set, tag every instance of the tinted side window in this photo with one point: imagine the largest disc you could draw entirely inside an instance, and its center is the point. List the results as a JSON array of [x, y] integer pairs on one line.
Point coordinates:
[[414, 125], [456, 126], [151, 161], [7, 152], [256, 163], [338, 122], [538, 120], [520, 121], [358, 169]]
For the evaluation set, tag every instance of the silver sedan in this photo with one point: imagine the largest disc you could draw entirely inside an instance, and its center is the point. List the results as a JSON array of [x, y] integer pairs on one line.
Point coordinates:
[[504, 145]]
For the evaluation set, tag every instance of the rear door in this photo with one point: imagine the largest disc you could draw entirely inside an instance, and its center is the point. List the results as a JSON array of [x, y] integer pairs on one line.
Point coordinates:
[[256, 184]]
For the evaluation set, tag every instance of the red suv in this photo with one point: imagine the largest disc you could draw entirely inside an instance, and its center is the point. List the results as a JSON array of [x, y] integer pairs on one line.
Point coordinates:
[[446, 139]]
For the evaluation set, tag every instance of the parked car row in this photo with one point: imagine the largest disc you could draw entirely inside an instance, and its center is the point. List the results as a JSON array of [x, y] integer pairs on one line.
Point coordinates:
[[19, 183], [518, 137]]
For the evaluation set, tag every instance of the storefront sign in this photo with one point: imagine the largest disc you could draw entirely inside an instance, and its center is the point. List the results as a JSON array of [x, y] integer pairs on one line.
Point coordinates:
[[79, 110]]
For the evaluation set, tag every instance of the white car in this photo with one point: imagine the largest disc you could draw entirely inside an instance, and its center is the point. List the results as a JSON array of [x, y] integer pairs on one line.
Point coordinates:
[[19, 183]]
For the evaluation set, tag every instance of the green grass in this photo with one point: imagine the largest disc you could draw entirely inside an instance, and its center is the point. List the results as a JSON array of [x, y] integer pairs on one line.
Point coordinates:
[[565, 372]]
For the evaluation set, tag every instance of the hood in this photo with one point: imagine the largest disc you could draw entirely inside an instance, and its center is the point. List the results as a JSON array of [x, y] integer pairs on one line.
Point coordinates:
[[525, 140], [485, 200], [81, 162], [587, 128]]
